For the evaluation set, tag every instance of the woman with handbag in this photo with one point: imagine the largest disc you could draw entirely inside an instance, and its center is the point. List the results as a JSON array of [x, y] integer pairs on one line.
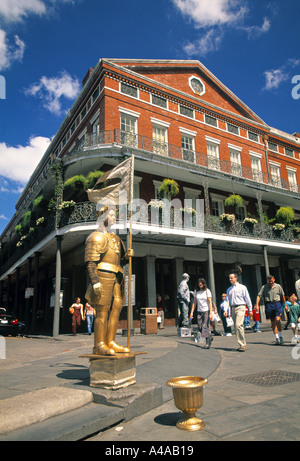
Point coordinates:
[[77, 314], [203, 301]]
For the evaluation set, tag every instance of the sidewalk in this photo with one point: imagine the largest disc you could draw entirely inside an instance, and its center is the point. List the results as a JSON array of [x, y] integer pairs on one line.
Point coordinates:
[[241, 401]]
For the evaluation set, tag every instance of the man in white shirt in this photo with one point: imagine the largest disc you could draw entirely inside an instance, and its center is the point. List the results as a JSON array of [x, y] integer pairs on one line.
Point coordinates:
[[238, 298]]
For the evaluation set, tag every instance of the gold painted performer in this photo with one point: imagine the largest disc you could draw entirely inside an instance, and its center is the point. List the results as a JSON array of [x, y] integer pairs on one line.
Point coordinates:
[[104, 256]]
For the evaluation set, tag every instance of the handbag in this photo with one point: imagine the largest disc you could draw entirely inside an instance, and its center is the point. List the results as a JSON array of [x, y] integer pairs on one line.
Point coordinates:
[[71, 310], [229, 321]]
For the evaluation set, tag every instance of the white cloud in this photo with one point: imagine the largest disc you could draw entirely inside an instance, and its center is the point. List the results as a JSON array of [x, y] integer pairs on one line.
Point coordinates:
[[256, 31], [51, 90], [8, 52], [16, 10], [207, 13], [18, 163], [210, 41], [274, 77], [215, 16]]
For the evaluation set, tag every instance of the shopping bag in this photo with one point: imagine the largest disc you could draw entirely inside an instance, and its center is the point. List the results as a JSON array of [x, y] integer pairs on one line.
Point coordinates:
[[216, 318], [229, 321], [256, 315]]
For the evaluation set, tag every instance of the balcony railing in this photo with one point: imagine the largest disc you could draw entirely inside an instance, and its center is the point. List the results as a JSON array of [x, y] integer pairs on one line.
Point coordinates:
[[136, 141], [85, 212]]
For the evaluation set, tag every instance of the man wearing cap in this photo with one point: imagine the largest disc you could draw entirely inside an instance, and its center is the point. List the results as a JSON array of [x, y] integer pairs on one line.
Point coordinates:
[[273, 296], [183, 297], [238, 298]]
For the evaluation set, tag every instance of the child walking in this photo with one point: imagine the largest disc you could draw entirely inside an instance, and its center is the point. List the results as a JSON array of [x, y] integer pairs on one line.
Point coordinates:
[[294, 309]]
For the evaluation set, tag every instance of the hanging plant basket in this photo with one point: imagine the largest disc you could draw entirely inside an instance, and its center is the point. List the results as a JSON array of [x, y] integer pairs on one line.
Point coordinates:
[[168, 189], [234, 201]]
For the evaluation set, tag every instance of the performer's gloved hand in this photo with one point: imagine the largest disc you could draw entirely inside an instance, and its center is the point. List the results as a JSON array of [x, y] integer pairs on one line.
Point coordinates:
[[129, 253], [97, 287]]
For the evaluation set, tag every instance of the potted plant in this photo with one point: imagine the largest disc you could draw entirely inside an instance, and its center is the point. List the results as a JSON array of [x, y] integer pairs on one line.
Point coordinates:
[[75, 182], [92, 178], [74, 188], [188, 215], [285, 215], [168, 189], [39, 206], [226, 218], [249, 223], [67, 206], [296, 230], [233, 201], [157, 207], [278, 228]]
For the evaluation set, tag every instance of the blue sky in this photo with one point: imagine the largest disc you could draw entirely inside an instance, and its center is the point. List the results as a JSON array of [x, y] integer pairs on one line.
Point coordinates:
[[47, 46]]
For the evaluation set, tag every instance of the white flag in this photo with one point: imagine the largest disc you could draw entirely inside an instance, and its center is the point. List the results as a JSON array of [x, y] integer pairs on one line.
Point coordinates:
[[119, 191]]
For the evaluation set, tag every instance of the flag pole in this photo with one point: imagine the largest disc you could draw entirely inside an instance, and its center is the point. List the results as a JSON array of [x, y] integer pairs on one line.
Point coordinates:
[[130, 257]]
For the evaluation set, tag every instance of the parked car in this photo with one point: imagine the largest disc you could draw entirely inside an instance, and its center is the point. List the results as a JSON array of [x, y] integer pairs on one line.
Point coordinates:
[[9, 324]]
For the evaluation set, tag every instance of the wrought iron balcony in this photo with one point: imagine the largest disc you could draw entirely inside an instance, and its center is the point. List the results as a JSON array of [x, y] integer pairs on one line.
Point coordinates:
[[212, 163], [85, 212]]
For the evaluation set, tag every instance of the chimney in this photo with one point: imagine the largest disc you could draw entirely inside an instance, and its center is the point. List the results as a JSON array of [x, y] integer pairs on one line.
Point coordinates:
[[87, 75]]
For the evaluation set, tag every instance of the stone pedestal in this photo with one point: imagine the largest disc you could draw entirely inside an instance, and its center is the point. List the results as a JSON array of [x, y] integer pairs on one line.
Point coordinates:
[[112, 371]]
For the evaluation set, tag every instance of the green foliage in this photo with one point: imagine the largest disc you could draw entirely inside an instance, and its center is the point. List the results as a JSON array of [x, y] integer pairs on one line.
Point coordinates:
[[234, 201], [26, 219], [92, 178], [37, 202], [168, 189], [285, 215], [19, 229], [76, 182]]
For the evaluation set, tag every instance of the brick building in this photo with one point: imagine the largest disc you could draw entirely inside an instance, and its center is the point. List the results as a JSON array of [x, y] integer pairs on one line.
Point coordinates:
[[181, 123]]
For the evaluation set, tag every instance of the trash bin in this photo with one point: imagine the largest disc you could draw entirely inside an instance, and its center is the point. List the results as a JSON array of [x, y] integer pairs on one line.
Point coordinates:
[[148, 320]]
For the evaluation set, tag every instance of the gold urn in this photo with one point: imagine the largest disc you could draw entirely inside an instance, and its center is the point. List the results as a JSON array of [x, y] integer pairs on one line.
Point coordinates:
[[188, 397]]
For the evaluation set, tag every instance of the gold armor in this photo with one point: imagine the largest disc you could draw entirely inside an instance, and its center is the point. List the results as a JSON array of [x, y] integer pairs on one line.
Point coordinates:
[[104, 255]]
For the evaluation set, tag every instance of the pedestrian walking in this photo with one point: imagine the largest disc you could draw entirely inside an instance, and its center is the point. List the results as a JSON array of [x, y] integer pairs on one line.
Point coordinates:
[[273, 296], [294, 309], [223, 308], [238, 298], [256, 318], [77, 314], [203, 302], [88, 315]]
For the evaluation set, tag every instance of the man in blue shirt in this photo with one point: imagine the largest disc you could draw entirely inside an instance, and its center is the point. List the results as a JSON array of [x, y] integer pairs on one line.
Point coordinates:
[[238, 298]]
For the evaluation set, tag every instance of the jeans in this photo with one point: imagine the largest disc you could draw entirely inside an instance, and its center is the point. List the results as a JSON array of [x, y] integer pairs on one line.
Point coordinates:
[[247, 321], [89, 321]]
